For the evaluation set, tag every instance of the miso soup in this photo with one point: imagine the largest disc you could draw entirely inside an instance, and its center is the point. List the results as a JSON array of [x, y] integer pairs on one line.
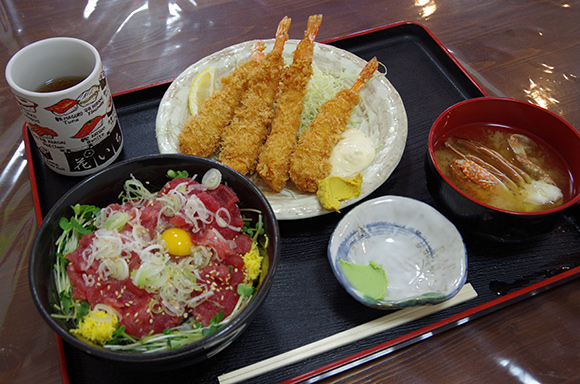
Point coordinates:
[[504, 167]]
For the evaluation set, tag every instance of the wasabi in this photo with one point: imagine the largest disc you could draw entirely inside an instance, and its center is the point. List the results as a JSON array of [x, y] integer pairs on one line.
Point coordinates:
[[370, 280]]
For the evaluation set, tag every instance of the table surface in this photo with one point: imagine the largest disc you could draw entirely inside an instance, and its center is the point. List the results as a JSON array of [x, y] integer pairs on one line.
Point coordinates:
[[527, 50]]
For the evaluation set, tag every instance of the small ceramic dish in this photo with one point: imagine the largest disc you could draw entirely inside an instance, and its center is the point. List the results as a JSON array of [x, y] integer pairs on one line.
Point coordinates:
[[421, 252]]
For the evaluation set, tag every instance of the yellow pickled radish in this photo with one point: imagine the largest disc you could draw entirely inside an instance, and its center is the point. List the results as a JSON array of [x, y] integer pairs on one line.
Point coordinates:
[[201, 87]]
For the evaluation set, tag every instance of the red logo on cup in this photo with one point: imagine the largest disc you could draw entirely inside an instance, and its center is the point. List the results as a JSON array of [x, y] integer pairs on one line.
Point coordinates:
[[42, 131], [88, 127], [86, 98]]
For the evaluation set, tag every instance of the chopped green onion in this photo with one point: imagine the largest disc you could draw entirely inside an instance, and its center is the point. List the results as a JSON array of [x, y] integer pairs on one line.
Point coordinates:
[[135, 192], [177, 174], [212, 179], [117, 221]]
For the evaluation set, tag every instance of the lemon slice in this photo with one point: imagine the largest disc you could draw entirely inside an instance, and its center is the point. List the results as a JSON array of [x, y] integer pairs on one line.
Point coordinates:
[[201, 87]]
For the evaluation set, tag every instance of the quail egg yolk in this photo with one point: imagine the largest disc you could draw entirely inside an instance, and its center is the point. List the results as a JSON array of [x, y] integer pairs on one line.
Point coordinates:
[[178, 241]]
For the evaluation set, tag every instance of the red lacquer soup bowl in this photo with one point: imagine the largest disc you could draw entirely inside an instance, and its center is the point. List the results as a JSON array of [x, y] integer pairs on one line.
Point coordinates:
[[507, 123]]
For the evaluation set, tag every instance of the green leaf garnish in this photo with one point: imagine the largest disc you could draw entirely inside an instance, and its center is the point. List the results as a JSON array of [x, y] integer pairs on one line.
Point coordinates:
[[245, 290]]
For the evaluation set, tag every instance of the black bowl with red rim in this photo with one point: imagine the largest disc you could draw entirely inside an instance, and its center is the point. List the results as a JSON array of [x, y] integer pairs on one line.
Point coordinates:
[[482, 219]]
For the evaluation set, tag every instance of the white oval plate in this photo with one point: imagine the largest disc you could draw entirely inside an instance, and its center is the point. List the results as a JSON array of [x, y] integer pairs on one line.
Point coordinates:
[[382, 115], [421, 251]]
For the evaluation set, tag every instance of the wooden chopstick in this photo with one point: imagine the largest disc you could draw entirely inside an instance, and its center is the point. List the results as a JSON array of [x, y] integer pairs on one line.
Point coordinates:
[[359, 332]]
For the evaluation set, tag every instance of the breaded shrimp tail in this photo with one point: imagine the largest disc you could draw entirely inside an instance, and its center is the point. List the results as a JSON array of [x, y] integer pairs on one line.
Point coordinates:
[[244, 137], [310, 161], [274, 159], [202, 132]]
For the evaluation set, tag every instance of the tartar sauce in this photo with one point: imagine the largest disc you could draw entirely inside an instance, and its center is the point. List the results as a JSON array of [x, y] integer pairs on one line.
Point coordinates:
[[354, 152]]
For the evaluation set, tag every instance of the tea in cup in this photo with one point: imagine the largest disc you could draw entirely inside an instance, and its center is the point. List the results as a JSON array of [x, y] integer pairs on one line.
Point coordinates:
[[61, 89]]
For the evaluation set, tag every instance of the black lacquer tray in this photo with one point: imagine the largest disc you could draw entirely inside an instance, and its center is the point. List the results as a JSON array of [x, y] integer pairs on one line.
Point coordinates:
[[306, 302]]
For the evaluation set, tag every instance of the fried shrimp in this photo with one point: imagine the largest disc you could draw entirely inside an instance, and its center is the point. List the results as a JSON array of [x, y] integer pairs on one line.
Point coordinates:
[[274, 159], [247, 132], [202, 132], [310, 161]]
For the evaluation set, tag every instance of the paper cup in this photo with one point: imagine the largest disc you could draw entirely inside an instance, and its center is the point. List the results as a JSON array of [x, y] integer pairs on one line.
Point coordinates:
[[76, 129]]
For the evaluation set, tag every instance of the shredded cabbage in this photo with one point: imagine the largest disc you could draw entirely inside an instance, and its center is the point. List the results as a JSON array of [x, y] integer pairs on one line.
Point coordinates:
[[323, 86]]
